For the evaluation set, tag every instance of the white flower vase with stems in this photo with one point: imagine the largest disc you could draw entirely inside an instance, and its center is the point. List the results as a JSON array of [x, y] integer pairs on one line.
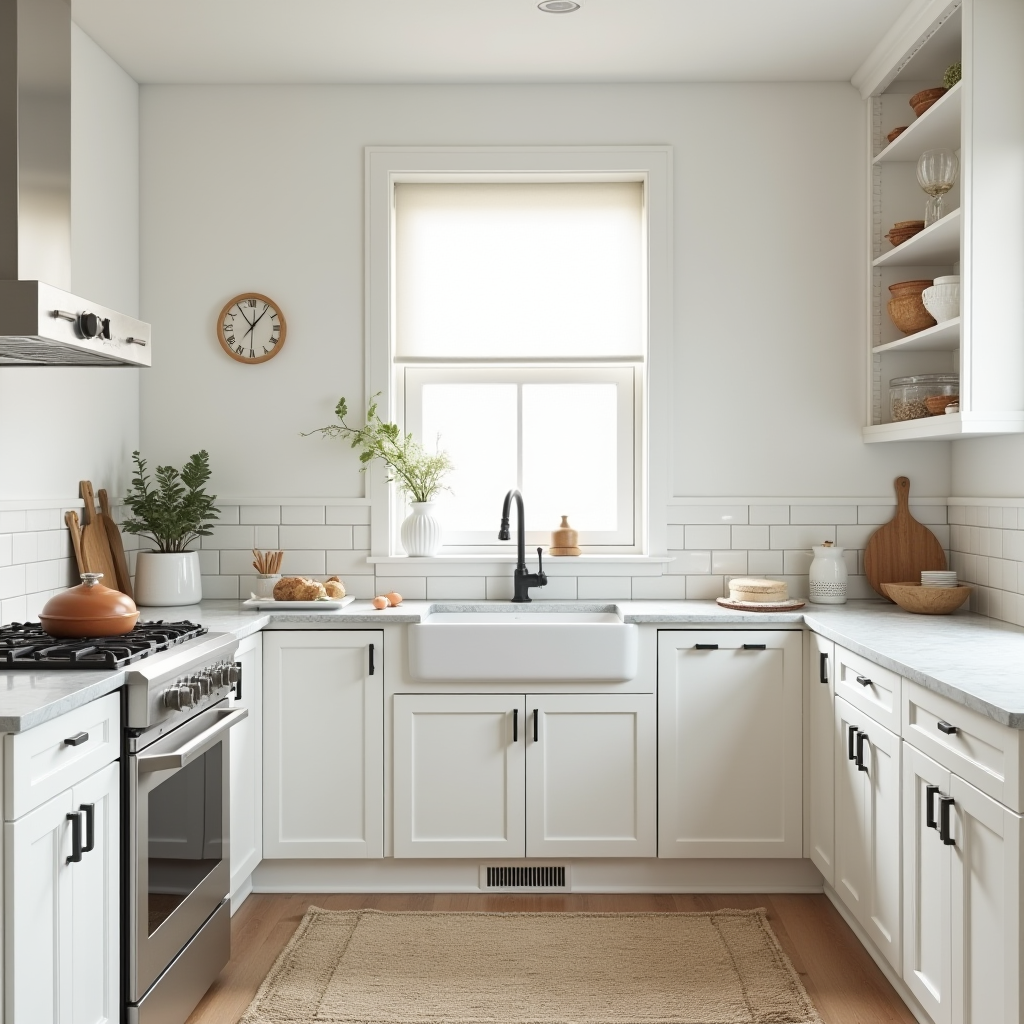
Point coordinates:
[[421, 532]]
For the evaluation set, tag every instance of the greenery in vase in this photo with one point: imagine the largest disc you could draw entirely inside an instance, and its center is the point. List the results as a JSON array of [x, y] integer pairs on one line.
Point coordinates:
[[178, 510], [416, 471], [952, 75]]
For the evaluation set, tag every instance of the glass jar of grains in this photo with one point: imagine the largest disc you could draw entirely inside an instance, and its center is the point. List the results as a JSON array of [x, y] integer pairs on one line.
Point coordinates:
[[927, 394]]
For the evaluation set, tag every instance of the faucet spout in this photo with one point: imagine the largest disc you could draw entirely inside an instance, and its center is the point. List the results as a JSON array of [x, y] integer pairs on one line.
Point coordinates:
[[523, 578]]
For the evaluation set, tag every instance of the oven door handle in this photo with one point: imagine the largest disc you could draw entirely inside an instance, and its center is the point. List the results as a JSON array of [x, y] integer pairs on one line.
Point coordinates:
[[196, 746]]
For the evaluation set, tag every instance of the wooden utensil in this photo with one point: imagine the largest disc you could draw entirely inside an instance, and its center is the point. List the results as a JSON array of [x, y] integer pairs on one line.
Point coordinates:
[[902, 548], [95, 549], [75, 529], [116, 545]]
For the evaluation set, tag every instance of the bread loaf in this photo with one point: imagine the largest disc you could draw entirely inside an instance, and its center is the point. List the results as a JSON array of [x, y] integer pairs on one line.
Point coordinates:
[[297, 588], [758, 590]]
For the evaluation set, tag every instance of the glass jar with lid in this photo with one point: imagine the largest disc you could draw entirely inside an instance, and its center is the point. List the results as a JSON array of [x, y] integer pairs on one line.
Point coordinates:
[[927, 394]]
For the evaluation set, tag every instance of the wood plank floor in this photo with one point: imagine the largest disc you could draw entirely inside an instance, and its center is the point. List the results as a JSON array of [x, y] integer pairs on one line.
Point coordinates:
[[843, 981]]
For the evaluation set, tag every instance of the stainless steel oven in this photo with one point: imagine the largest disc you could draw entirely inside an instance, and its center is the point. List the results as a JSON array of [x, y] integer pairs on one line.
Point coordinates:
[[177, 787]]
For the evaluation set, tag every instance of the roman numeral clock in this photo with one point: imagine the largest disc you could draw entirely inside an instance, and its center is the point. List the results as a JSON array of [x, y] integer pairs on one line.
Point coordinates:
[[251, 328]]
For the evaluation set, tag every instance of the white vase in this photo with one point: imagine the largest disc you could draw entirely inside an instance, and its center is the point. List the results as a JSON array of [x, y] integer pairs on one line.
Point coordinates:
[[421, 532], [827, 576], [164, 579]]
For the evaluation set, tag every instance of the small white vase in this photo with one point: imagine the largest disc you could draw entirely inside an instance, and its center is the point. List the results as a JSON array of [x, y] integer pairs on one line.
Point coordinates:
[[827, 576], [421, 532], [166, 579]]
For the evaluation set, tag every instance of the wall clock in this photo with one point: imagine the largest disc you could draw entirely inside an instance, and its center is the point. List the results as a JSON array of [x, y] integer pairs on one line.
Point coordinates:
[[251, 328]]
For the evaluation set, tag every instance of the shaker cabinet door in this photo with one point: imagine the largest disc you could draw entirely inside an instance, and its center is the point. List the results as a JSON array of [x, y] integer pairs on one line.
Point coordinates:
[[247, 765], [820, 738]]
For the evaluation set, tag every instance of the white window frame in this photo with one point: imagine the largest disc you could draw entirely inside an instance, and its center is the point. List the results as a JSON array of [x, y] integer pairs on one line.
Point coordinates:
[[627, 380], [387, 166]]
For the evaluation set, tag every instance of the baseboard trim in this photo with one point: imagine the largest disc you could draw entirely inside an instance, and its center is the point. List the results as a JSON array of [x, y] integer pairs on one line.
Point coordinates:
[[238, 897], [588, 876], [883, 965]]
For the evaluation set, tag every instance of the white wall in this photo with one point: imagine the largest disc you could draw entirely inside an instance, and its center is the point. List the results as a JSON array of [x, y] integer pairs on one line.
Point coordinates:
[[261, 188], [988, 467], [59, 425]]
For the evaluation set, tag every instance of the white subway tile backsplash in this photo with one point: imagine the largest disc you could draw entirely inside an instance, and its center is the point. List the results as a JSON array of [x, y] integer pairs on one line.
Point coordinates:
[[499, 588], [14, 609], [467, 588], [559, 588], [220, 588], [769, 515], [12, 581], [659, 588], [803, 514], [675, 537], [361, 587], [875, 515], [729, 563], [303, 515], [14, 521], [361, 537], [796, 563], [750, 537], [26, 548], [260, 514], [303, 563], [1011, 518], [696, 515], [704, 588], [931, 515], [707, 537], [688, 563], [956, 514], [348, 515], [290, 537], [6, 548], [801, 536], [209, 562], [855, 537], [600, 588], [228, 515], [43, 519], [231, 537], [267, 537], [344, 563], [764, 563], [412, 588]]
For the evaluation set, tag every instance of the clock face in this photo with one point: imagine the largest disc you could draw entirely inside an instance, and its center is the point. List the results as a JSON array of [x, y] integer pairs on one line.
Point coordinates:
[[251, 328]]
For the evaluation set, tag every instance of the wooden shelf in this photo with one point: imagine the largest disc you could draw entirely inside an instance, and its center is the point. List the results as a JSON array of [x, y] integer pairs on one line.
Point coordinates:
[[937, 128], [938, 244], [944, 337], [937, 428]]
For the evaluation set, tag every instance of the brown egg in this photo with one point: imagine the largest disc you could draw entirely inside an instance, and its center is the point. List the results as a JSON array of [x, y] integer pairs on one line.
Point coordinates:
[[380, 602], [395, 599]]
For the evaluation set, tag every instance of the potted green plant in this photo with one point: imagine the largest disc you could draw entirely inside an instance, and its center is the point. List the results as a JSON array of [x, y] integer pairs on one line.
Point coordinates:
[[418, 472], [173, 514]]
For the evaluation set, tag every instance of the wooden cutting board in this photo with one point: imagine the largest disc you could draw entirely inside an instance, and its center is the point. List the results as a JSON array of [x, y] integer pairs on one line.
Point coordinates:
[[95, 549], [75, 529], [116, 545], [898, 551]]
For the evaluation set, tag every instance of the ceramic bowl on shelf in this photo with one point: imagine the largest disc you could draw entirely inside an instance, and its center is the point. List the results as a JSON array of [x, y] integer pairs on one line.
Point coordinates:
[[904, 229], [924, 99], [942, 299], [906, 309], [912, 597]]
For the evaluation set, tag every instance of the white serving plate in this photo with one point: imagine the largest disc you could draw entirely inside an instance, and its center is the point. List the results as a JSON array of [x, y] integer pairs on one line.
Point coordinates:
[[328, 605]]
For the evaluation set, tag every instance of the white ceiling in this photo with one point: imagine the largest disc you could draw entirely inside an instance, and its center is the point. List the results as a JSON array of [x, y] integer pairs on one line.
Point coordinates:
[[436, 41]]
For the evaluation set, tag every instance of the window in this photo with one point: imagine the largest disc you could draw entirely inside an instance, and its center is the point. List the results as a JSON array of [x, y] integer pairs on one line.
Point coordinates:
[[519, 303], [520, 325]]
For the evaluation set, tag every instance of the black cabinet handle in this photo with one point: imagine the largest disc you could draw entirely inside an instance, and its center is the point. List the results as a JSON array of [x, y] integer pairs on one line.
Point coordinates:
[[76, 740], [864, 681], [823, 669], [944, 805], [371, 659], [90, 827], [75, 817], [536, 716], [238, 680], [515, 725], [945, 727], [929, 806], [755, 647], [861, 740], [851, 732], [705, 647]]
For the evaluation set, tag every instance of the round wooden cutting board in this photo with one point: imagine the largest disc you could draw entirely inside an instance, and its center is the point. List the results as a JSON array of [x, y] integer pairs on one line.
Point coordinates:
[[898, 551]]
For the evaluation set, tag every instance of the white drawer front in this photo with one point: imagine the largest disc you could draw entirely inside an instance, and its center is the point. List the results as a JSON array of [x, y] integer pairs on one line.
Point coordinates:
[[39, 764], [979, 750], [869, 688]]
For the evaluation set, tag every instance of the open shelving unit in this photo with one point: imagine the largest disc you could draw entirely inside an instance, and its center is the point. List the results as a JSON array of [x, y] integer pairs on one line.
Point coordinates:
[[982, 119]]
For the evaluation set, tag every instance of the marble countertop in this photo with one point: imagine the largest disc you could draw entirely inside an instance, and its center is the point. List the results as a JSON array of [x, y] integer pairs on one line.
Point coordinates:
[[974, 660]]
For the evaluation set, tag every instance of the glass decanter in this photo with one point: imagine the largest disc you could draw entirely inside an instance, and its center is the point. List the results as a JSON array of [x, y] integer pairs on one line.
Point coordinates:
[[936, 173]]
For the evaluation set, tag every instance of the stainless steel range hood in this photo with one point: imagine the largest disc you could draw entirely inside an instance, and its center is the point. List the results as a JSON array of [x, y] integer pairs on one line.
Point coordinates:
[[43, 323]]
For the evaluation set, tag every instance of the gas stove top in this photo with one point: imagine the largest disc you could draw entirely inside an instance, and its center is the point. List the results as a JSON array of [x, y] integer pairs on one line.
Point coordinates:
[[28, 645]]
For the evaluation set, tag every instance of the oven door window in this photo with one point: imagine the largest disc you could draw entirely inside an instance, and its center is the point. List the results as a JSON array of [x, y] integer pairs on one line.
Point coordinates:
[[186, 840]]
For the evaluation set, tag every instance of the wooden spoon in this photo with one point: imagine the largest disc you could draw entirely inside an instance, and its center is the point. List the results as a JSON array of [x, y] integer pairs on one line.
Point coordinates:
[[75, 529]]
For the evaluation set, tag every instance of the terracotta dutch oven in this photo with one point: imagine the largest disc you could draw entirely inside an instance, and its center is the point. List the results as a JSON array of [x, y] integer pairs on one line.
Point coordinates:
[[89, 609]]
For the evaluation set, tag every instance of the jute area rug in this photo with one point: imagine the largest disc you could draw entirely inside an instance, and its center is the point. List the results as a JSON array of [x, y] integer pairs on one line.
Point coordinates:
[[373, 967]]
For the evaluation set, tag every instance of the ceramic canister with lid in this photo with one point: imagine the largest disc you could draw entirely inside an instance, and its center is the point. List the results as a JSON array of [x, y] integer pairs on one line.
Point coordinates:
[[827, 576], [90, 609]]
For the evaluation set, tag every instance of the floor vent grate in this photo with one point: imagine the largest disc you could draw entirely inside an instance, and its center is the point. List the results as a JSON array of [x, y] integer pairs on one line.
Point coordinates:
[[550, 877]]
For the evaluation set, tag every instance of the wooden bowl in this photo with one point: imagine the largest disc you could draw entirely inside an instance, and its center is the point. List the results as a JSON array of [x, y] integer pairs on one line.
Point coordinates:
[[904, 229], [907, 312], [912, 597], [922, 100], [896, 133], [937, 403]]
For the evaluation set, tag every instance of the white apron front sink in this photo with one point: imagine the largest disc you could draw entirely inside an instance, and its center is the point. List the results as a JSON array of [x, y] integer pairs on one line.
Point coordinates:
[[521, 646]]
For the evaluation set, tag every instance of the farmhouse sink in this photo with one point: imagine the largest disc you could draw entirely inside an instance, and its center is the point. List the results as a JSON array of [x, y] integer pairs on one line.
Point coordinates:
[[520, 646]]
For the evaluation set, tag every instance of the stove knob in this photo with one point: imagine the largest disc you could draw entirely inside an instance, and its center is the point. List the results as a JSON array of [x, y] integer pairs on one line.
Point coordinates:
[[220, 675], [178, 697], [195, 686], [205, 683], [234, 674], [187, 696]]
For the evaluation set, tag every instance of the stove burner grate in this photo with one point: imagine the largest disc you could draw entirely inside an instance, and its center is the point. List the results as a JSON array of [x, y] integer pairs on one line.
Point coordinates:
[[28, 645]]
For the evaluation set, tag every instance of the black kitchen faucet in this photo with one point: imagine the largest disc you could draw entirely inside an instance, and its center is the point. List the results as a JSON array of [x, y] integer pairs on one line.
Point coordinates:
[[523, 579]]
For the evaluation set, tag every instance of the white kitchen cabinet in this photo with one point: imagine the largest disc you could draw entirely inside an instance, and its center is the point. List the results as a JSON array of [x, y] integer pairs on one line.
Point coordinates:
[[730, 762], [247, 765], [323, 743], [867, 826], [927, 967], [62, 919], [513, 775], [591, 787], [459, 775], [821, 754], [985, 916]]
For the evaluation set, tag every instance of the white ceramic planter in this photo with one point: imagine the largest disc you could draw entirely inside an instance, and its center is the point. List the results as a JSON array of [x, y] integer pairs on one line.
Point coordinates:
[[165, 580], [827, 577], [421, 533]]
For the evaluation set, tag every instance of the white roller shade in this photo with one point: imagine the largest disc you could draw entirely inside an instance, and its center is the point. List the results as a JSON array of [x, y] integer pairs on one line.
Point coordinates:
[[491, 271]]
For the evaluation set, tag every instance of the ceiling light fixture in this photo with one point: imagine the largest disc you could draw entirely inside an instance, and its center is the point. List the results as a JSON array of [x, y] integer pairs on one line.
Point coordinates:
[[558, 6]]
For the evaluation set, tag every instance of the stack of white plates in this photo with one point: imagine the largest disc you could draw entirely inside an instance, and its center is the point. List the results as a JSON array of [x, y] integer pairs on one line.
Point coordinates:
[[934, 578]]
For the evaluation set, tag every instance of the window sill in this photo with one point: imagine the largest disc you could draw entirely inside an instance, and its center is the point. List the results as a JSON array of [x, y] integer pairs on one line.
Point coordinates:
[[510, 559]]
